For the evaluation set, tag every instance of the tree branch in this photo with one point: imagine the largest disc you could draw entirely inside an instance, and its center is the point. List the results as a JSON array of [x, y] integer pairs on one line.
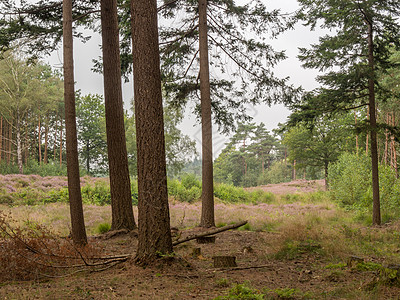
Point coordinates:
[[210, 232]]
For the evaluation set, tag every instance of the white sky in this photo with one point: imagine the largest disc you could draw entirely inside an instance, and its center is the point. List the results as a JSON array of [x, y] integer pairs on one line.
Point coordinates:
[[89, 82]]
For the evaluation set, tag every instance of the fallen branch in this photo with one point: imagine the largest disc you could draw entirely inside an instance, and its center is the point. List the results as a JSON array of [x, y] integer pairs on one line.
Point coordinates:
[[242, 268], [207, 233]]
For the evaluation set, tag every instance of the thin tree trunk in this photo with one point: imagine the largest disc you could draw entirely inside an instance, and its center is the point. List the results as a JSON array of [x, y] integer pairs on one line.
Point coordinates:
[[120, 186], [55, 140], [40, 141], [394, 165], [10, 125], [355, 120], [294, 170], [1, 137], [154, 220], [207, 211], [367, 136], [26, 144], [376, 211], [46, 136], [75, 198], [385, 154], [19, 145], [61, 141]]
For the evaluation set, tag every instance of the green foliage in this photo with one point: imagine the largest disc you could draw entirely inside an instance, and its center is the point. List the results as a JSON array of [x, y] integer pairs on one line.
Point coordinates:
[[350, 184], [103, 228], [188, 190], [231, 194], [179, 148], [90, 115], [242, 291], [99, 194], [320, 145]]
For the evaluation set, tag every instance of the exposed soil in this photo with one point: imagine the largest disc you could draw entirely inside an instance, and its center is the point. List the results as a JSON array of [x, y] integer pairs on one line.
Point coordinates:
[[194, 277]]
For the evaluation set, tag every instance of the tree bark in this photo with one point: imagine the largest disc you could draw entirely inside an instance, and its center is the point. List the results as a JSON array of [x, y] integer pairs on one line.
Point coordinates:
[[39, 141], [19, 144], [75, 198], [46, 136], [154, 220], [207, 197], [1, 137], [10, 125], [120, 186], [376, 211], [61, 140]]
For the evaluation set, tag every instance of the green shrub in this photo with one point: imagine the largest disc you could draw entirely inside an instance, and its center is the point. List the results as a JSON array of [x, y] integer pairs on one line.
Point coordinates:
[[242, 291], [189, 181], [350, 184], [103, 228]]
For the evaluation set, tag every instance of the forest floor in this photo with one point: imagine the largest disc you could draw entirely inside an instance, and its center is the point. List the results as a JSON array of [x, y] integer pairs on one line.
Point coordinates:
[[301, 247]]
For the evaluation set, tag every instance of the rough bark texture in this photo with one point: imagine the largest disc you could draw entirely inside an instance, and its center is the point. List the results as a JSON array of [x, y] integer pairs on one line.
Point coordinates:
[[154, 221], [207, 197], [121, 198], [75, 198], [1, 137], [376, 211]]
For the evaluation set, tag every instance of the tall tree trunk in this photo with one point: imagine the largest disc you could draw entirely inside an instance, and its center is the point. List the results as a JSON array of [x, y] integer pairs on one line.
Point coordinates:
[[294, 170], [19, 144], [154, 220], [55, 140], [393, 147], [26, 144], [1, 137], [61, 141], [40, 140], [10, 125], [355, 121], [75, 198], [376, 211], [46, 137], [207, 197], [120, 186], [367, 137], [385, 154]]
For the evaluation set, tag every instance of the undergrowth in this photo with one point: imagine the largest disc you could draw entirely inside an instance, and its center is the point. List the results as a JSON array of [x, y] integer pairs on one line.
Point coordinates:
[[33, 252]]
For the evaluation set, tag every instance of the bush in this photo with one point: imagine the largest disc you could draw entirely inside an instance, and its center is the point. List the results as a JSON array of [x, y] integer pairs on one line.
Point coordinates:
[[231, 194], [350, 184]]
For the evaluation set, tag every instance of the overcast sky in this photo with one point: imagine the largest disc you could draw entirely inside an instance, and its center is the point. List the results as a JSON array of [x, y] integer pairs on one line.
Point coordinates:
[[89, 82]]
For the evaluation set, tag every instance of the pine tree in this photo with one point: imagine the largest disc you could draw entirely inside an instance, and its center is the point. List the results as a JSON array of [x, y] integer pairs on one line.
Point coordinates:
[[365, 32]]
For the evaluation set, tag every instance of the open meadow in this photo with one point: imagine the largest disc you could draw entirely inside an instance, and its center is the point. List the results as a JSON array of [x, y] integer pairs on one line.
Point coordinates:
[[297, 245]]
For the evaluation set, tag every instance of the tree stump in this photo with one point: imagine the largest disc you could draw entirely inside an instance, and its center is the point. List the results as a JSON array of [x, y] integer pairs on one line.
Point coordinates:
[[206, 240], [224, 261]]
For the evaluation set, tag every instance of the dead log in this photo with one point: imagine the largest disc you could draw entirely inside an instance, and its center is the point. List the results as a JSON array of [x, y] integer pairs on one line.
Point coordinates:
[[206, 240], [210, 232]]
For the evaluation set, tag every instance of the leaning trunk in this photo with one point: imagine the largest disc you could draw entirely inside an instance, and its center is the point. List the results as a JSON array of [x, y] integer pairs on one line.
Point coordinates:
[[75, 198], [120, 186], [207, 197], [154, 220]]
